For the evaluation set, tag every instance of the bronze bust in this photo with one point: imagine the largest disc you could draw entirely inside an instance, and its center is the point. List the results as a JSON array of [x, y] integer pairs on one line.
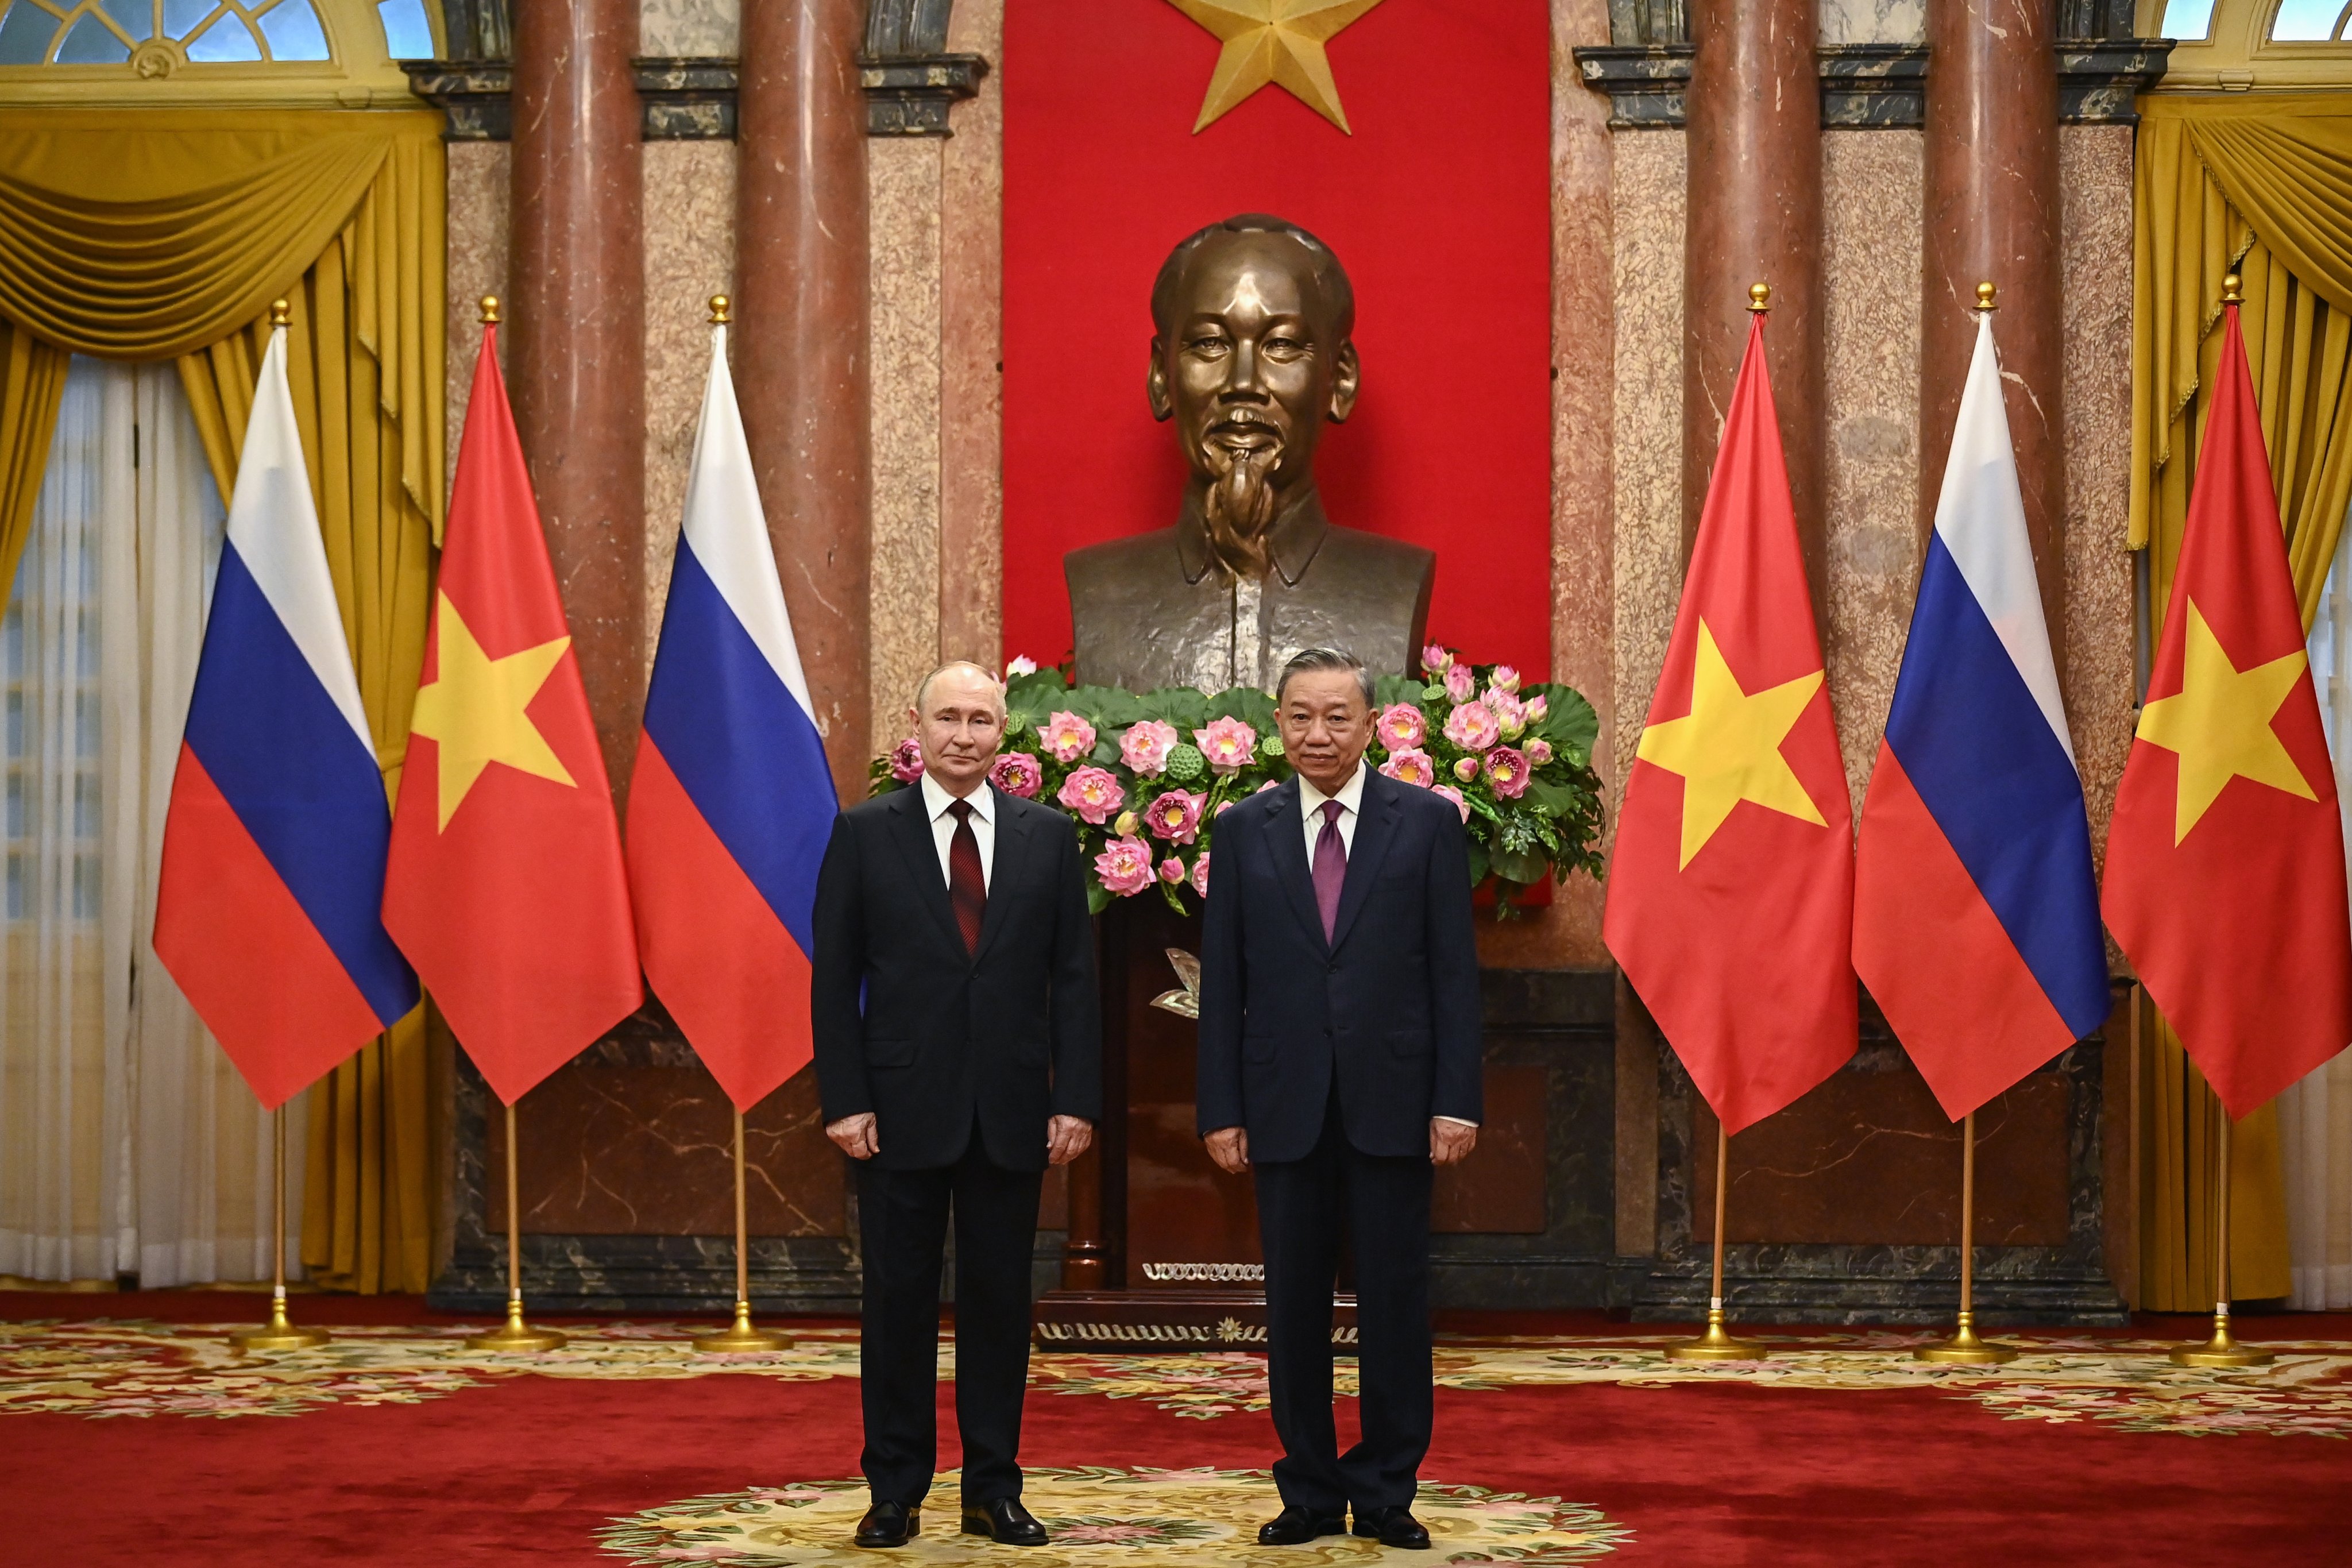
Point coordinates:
[[1251, 352]]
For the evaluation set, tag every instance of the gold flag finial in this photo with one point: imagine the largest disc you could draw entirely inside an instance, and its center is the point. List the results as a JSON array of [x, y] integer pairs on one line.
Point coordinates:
[[1760, 297], [2232, 289], [720, 307], [489, 309], [281, 313], [1984, 297]]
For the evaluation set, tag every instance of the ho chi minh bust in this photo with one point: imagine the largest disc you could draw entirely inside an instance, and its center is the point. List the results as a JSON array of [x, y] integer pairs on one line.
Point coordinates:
[[1251, 352]]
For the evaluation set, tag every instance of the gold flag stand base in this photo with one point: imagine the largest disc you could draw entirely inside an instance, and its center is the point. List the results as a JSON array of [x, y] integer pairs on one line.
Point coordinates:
[[277, 1334], [1964, 1348], [740, 1338], [515, 1334], [2221, 1350], [1716, 1344]]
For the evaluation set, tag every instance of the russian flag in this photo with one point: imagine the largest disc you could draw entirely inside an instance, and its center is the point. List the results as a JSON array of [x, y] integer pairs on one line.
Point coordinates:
[[732, 801], [272, 876], [1976, 918]]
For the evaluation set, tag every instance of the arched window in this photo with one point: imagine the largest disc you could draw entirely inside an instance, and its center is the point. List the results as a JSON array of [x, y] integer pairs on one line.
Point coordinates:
[[164, 51], [2243, 45]]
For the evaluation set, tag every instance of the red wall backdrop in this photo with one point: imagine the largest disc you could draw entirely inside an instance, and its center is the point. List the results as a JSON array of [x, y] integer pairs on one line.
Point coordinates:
[[1439, 206]]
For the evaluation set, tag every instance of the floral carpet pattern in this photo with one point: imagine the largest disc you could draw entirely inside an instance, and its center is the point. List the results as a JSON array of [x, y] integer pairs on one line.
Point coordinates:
[[113, 1368], [1102, 1516]]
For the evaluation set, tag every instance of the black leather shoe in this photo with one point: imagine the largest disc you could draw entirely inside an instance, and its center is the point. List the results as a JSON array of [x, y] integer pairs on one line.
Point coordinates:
[[1004, 1522], [889, 1524], [1296, 1526], [1393, 1527]]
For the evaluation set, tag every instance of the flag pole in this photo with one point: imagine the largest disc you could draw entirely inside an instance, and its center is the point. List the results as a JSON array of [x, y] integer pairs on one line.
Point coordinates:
[[514, 1334], [2221, 1350], [741, 1337], [280, 1334], [1716, 1344], [1964, 1348]]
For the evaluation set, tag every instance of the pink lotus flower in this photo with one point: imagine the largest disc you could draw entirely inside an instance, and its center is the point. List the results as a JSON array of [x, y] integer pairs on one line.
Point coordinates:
[[1460, 683], [1450, 793], [1123, 867], [1017, 772], [1410, 766], [1176, 815], [1537, 707], [1020, 664], [1145, 747], [1228, 744], [1505, 678], [1507, 771], [1201, 872], [1510, 711], [1171, 871], [1092, 793], [1467, 769], [1068, 737], [1266, 786], [1402, 727], [1539, 751], [1472, 726], [1436, 660], [1222, 806], [907, 760]]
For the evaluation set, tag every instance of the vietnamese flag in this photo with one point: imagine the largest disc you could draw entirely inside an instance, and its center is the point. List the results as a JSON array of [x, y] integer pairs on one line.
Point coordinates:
[[2225, 863], [1731, 887], [505, 888]]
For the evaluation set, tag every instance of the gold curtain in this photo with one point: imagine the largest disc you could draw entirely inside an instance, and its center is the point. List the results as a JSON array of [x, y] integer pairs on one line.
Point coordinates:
[[205, 218], [32, 386], [2262, 186]]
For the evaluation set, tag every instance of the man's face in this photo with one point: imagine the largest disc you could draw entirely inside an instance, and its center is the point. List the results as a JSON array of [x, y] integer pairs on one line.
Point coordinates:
[[1246, 370], [958, 727], [1326, 725]]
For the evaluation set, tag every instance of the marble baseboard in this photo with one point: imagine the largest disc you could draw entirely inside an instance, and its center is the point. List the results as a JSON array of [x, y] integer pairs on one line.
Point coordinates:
[[685, 1274], [1874, 1285]]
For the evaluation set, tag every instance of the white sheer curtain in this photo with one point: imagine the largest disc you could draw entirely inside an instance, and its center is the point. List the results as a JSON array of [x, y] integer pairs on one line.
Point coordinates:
[[2316, 1115], [128, 1144]]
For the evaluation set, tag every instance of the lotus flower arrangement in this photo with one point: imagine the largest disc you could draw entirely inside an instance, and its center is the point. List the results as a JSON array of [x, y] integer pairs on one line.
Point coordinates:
[[1145, 777]]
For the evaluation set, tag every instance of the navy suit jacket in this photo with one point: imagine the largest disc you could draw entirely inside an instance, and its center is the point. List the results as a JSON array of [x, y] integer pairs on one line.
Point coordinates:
[[1388, 1008]]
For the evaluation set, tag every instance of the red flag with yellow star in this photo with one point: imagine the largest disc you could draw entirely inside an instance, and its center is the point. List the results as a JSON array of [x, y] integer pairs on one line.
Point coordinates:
[[506, 887], [1731, 887], [2225, 863]]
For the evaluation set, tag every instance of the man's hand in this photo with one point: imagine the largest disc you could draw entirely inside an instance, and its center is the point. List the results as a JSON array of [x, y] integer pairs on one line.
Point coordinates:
[[1449, 1142], [1066, 1138], [1229, 1147], [856, 1135]]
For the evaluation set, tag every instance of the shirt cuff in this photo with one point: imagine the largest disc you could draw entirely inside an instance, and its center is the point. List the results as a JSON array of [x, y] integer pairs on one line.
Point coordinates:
[[1457, 1121]]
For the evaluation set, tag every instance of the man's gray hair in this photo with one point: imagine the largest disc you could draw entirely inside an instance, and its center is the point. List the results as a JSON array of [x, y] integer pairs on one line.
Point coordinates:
[[923, 686], [1308, 659]]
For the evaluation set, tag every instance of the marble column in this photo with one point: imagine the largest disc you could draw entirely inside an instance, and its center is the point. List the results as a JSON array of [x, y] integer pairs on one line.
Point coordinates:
[[1754, 137], [576, 344], [802, 369], [1991, 205]]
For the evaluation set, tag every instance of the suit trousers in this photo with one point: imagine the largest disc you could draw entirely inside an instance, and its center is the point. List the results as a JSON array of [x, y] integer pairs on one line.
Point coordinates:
[[902, 1217], [1382, 1204]]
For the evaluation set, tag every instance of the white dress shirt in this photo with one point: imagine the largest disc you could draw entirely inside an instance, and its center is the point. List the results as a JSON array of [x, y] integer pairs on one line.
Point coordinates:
[[1310, 805], [936, 801]]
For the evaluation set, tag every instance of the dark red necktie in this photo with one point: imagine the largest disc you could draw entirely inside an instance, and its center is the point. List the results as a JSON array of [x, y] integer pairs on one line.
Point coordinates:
[[967, 888]]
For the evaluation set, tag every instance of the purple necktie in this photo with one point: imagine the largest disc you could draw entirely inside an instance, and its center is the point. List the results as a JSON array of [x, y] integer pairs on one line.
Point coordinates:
[[1331, 866]]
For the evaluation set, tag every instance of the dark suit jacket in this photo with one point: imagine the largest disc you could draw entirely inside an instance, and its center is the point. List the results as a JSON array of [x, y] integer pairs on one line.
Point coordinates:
[[1391, 1006], [909, 1028]]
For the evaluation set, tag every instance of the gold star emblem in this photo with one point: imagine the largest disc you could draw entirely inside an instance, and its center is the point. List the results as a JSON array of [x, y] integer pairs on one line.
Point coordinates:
[[1278, 41], [1727, 748], [476, 709], [2219, 724]]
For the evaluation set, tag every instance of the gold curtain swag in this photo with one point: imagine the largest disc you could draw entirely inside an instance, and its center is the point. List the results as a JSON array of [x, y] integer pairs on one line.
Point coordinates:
[[2262, 187], [166, 235]]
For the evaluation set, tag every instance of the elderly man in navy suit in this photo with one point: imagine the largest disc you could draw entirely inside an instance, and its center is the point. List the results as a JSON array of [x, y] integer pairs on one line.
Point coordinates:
[[1339, 1062]]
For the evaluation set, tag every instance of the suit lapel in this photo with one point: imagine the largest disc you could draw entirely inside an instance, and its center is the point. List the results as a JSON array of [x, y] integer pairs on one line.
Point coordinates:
[[1288, 829], [922, 855], [1375, 830], [1006, 862]]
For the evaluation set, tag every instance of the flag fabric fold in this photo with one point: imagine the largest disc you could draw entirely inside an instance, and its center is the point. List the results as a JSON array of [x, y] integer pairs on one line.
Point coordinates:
[[1731, 886], [506, 887], [1976, 921], [731, 802], [2225, 880], [267, 911]]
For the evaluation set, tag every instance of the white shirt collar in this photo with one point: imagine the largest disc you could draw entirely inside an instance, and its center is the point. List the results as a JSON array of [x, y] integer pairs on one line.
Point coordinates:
[[1310, 799], [936, 801]]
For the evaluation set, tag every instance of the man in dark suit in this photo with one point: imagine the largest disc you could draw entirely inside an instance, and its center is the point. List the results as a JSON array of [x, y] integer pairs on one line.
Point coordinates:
[[958, 1053], [1339, 1061]]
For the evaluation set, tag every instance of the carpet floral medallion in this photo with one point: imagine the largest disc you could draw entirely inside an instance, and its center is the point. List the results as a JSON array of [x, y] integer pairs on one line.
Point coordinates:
[[114, 1368], [1102, 1517]]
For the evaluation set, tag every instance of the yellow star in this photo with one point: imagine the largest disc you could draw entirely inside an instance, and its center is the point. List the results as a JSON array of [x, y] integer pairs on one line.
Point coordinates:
[[1727, 749], [2219, 723], [476, 709], [1278, 41]]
